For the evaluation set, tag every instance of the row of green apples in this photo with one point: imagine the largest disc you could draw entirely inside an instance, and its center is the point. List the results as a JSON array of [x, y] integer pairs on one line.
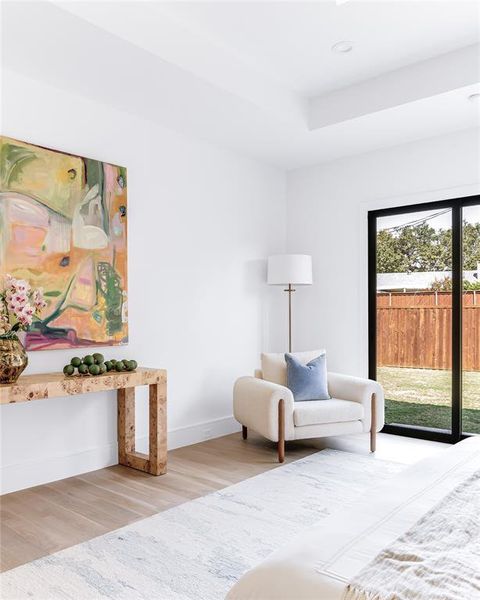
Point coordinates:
[[95, 364]]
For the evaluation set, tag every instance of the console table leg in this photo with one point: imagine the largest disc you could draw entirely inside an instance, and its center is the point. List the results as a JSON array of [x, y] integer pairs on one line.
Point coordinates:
[[155, 462], [158, 428], [125, 423]]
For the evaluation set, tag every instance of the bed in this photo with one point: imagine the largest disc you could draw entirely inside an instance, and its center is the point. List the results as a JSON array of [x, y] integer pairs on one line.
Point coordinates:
[[323, 562]]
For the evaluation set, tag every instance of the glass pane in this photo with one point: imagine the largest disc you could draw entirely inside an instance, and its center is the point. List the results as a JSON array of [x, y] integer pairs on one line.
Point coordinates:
[[471, 320], [414, 317]]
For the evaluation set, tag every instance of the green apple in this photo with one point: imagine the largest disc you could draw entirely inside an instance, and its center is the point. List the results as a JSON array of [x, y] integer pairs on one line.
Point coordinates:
[[98, 358]]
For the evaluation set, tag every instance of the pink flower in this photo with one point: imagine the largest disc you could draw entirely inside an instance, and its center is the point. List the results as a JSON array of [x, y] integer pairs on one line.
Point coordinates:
[[28, 310], [22, 309], [16, 301], [38, 300], [25, 316], [24, 322], [21, 286], [13, 305], [20, 299], [8, 281], [19, 303], [18, 311]]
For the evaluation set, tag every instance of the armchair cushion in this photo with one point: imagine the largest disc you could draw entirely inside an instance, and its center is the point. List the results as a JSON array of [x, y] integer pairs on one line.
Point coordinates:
[[274, 367], [318, 412]]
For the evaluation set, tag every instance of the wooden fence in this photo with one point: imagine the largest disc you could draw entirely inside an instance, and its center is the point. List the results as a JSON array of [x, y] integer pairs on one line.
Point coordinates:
[[415, 330]]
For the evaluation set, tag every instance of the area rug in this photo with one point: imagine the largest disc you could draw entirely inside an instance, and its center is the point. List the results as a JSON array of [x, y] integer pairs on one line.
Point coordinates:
[[198, 550]]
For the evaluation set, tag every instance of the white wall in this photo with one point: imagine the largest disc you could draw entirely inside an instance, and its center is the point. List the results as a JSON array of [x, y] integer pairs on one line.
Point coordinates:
[[327, 209], [201, 222]]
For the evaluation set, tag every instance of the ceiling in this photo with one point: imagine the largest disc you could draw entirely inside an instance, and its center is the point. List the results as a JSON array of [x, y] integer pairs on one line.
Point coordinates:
[[290, 42], [260, 77]]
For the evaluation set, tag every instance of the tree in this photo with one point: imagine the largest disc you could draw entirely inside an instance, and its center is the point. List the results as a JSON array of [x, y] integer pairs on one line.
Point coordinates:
[[423, 248], [389, 259], [445, 285], [442, 285], [471, 246], [470, 286]]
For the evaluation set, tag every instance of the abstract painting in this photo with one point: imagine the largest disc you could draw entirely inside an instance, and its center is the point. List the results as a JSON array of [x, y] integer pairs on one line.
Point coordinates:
[[63, 227]]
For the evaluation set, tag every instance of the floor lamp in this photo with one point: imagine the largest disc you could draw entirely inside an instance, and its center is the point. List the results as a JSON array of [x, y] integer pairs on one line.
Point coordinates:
[[290, 270]]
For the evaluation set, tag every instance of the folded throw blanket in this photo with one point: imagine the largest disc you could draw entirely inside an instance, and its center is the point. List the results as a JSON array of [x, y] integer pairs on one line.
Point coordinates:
[[437, 559]]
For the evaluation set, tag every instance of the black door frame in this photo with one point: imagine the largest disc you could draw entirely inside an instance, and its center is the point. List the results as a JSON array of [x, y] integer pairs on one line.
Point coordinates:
[[456, 204]]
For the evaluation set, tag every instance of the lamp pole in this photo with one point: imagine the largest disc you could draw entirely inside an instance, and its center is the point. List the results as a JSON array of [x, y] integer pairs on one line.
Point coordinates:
[[290, 290]]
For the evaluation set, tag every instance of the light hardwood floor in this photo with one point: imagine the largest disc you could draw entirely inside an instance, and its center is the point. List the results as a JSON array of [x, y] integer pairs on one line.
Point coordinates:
[[47, 518]]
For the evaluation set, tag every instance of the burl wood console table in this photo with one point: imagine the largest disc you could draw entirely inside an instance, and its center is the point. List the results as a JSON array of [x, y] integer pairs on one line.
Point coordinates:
[[53, 385]]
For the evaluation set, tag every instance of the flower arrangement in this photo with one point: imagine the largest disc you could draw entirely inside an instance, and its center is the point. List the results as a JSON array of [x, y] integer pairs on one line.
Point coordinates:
[[19, 304]]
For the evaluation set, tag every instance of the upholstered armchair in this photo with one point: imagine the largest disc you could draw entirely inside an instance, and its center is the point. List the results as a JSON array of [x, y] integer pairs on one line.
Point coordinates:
[[265, 404]]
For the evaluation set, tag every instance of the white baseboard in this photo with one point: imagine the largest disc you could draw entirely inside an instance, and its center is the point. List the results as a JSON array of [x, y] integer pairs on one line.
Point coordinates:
[[193, 434], [27, 474], [185, 436]]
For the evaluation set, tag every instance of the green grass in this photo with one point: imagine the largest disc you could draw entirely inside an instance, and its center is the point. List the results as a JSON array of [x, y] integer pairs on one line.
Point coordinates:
[[429, 415], [422, 397]]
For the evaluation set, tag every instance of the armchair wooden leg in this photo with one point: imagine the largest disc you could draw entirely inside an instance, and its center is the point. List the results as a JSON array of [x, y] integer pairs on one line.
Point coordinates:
[[281, 430], [244, 432], [373, 425]]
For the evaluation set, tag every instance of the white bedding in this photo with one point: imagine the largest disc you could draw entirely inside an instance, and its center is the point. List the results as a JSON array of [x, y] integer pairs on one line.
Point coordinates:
[[319, 564]]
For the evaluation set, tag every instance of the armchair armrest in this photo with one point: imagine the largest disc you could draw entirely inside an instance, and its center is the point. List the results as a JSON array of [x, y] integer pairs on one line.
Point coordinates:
[[359, 389], [255, 405]]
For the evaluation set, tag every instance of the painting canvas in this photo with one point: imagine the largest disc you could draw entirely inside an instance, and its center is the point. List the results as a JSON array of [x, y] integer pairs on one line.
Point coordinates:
[[63, 227]]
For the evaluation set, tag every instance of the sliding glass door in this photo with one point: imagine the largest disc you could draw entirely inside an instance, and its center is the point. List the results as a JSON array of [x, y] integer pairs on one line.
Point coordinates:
[[471, 320], [424, 317]]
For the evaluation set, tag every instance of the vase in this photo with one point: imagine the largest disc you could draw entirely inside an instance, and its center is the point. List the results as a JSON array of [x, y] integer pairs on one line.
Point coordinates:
[[13, 358]]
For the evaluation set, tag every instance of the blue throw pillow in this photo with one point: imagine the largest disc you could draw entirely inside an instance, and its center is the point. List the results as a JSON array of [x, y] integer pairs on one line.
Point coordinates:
[[307, 382]]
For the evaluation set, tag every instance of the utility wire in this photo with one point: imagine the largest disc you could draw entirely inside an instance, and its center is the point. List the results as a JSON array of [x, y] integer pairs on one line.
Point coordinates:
[[420, 221]]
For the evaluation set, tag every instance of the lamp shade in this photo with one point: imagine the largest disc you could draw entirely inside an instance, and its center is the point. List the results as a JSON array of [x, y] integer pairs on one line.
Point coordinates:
[[290, 268]]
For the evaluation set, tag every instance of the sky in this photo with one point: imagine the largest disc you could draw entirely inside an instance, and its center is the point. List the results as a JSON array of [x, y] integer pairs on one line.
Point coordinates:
[[443, 221]]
